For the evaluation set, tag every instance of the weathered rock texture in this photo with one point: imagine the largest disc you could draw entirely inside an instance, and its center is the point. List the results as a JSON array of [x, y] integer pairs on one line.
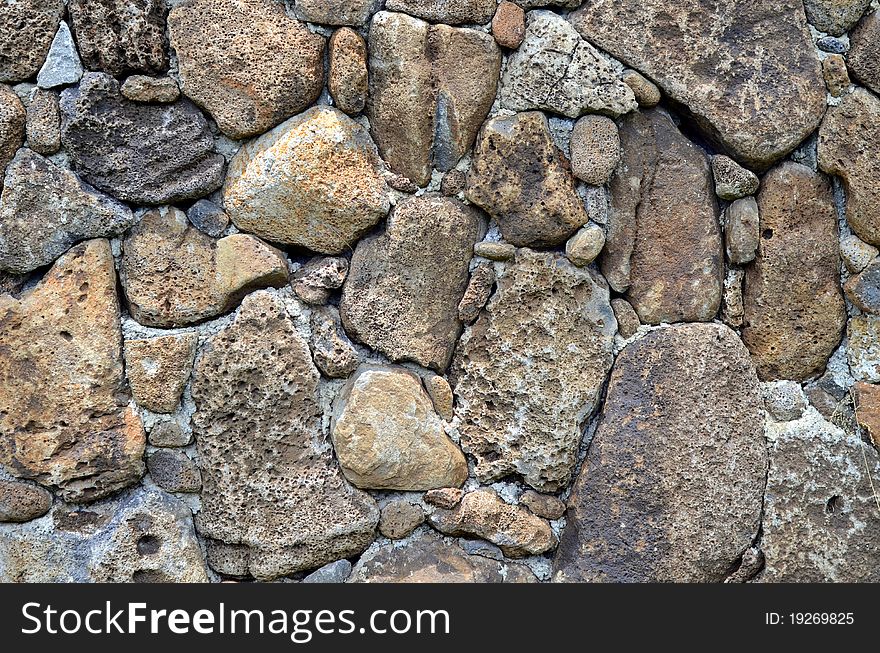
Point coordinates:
[[248, 84], [144, 153], [663, 245], [273, 498], [863, 58], [431, 86], [745, 71], [672, 486], [530, 371], [793, 308], [313, 181], [12, 126], [27, 28], [158, 369], [64, 415], [402, 292]]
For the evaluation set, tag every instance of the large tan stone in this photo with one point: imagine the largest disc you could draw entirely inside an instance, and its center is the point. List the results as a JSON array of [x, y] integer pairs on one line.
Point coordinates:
[[520, 178], [746, 72], [849, 147], [484, 514], [273, 499], [530, 370], [402, 292], [387, 435], [64, 415], [793, 307], [314, 181], [663, 241], [863, 58], [173, 274], [158, 369], [246, 62], [431, 87], [672, 486]]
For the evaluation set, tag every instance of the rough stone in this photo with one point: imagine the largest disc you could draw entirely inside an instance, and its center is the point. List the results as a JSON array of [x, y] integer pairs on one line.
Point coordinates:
[[174, 275], [402, 293], [864, 55], [867, 408], [387, 435], [62, 66], [400, 518], [441, 396], [732, 181], [444, 497], [863, 289], [283, 506], [62, 351], [141, 88], [672, 486], [645, 91], [836, 75], [142, 153], [742, 230], [121, 36], [556, 70], [169, 434], [835, 16], [337, 12], [793, 308], [832, 44], [332, 351], [784, 400], [21, 502], [45, 209], [428, 559], [450, 12], [431, 87], [208, 218], [523, 181], [521, 417], [143, 536], [43, 123], [626, 316], [495, 251], [757, 110], [27, 28], [12, 126], [158, 369], [479, 289], [313, 181], [335, 572], [663, 241], [595, 149], [820, 513], [481, 548], [543, 505], [250, 84], [482, 513], [348, 80], [863, 351], [319, 277], [584, 247], [453, 183], [848, 147], [509, 25], [732, 298], [173, 471], [856, 253]]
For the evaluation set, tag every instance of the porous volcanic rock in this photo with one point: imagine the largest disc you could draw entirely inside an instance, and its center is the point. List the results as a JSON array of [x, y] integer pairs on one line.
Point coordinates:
[[142, 153], [337, 12], [759, 109], [672, 486], [273, 499], [794, 311], [348, 79], [450, 12], [314, 181], [863, 58], [402, 292], [43, 122], [27, 28], [12, 126], [64, 415], [21, 502], [246, 62], [158, 369], [530, 370], [835, 16]]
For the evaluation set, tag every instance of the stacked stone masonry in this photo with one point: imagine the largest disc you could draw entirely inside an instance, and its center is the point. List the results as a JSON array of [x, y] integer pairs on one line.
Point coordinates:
[[439, 291]]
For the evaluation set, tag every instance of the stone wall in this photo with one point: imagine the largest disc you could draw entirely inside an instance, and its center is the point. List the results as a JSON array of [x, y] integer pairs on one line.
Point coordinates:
[[440, 290]]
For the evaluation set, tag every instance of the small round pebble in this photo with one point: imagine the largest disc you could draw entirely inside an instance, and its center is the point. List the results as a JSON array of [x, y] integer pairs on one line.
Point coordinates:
[[169, 434], [509, 25], [453, 183], [495, 251], [646, 92], [626, 316], [595, 149], [831, 44], [399, 518], [784, 400], [21, 502], [543, 505], [583, 248]]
